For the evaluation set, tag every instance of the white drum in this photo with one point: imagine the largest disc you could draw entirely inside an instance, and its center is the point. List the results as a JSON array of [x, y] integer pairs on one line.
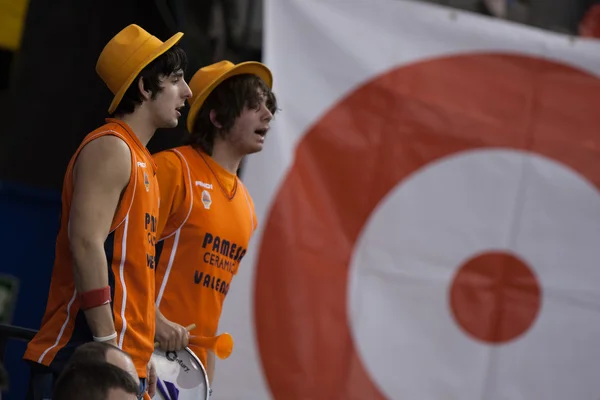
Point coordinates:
[[181, 376]]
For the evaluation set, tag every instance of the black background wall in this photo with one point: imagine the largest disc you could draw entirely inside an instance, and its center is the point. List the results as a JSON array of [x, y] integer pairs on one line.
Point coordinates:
[[56, 98]]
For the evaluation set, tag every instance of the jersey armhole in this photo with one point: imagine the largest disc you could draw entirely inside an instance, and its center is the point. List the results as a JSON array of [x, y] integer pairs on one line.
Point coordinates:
[[127, 196], [127, 193], [185, 209], [251, 210]]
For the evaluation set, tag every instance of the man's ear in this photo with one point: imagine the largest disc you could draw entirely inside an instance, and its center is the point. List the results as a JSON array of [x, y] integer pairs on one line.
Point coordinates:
[[213, 119], [146, 94]]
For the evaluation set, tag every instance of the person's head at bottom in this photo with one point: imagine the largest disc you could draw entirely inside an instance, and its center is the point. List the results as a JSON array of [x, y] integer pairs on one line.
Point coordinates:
[[95, 380], [99, 351]]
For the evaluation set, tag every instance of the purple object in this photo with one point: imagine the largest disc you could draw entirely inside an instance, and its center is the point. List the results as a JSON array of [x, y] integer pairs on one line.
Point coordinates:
[[168, 390]]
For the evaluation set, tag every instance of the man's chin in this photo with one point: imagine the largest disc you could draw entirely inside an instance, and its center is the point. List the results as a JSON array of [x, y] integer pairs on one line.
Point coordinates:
[[171, 124], [255, 149]]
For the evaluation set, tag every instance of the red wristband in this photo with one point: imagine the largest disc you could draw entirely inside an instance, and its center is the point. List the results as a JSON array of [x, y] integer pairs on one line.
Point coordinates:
[[95, 298]]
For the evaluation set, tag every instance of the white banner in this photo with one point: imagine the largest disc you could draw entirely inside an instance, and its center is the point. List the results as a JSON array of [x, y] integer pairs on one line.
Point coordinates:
[[429, 210]]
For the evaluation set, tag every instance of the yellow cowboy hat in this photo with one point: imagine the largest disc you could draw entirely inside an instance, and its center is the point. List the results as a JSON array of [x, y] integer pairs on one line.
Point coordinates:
[[206, 79], [127, 53]]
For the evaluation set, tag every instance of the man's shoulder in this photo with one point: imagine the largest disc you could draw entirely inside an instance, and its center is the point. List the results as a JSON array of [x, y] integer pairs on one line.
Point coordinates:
[[169, 161], [106, 144], [175, 156], [108, 129]]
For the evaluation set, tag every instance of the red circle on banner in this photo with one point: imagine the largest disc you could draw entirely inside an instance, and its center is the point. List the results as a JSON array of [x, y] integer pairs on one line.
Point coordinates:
[[495, 289], [361, 149]]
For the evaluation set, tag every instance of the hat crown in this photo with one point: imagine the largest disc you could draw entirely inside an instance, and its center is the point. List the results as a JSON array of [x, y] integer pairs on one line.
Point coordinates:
[[129, 38], [206, 79], [123, 54], [207, 75]]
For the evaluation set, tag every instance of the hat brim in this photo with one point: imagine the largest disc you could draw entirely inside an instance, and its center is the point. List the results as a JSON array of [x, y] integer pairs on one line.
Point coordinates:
[[249, 67], [157, 53]]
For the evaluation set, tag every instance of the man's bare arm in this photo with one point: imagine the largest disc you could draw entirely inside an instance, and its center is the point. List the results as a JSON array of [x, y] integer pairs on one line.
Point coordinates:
[[100, 175]]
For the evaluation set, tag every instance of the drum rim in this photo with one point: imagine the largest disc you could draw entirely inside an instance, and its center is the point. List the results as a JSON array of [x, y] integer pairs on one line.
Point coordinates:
[[195, 357]]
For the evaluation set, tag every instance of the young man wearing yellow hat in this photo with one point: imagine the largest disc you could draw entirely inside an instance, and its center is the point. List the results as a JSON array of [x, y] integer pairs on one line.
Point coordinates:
[[102, 286], [206, 214]]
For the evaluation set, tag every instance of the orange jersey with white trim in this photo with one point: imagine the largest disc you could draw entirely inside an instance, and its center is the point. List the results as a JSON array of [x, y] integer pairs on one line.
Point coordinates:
[[206, 221], [130, 254]]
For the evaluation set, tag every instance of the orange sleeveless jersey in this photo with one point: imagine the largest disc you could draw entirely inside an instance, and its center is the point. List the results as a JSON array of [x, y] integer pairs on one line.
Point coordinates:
[[206, 220], [130, 252]]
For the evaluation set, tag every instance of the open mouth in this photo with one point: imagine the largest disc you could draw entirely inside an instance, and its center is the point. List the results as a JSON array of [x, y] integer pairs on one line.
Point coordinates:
[[261, 132]]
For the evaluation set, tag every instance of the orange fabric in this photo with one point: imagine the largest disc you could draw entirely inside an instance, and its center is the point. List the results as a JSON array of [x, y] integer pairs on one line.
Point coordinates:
[[171, 186], [209, 220], [130, 253]]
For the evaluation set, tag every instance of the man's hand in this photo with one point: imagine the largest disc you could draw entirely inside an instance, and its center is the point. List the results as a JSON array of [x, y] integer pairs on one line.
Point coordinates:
[[169, 335], [151, 379]]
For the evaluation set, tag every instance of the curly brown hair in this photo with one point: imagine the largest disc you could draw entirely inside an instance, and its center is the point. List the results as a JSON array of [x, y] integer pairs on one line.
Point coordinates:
[[228, 100]]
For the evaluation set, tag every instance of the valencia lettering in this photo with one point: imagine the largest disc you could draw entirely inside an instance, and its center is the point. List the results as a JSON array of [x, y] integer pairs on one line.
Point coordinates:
[[217, 284]]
